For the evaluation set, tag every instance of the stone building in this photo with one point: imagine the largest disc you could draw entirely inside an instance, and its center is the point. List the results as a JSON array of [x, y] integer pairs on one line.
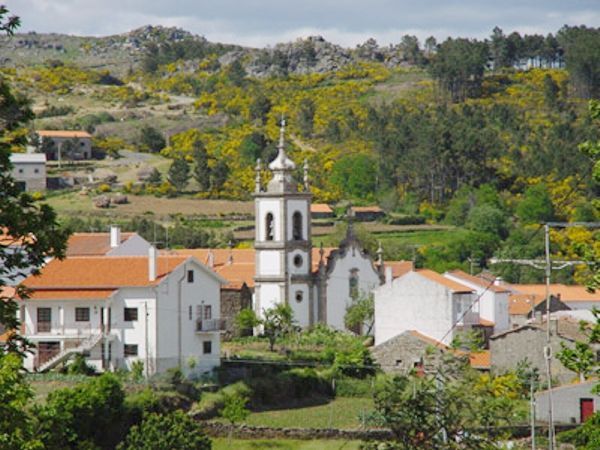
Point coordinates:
[[29, 170], [80, 143], [408, 351], [527, 342], [573, 403]]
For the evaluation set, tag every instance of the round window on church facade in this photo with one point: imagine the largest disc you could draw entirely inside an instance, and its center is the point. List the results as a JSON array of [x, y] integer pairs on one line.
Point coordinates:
[[299, 296], [298, 260]]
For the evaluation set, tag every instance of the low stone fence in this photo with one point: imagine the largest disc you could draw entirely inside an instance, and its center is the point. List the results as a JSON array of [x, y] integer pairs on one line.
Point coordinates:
[[218, 429]]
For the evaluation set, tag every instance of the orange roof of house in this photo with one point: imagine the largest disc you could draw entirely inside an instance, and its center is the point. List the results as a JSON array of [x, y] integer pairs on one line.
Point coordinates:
[[521, 304], [478, 281], [6, 239], [567, 293], [440, 279], [64, 133], [242, 267], [320, 208], [399, 268], [91, 244], [372, 209], [428, 339], [486, 323], [87, 272], [480, 360], [71, 294]]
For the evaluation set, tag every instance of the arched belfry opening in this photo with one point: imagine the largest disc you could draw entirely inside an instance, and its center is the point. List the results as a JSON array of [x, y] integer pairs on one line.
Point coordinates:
[[297, 226], [269, 227]]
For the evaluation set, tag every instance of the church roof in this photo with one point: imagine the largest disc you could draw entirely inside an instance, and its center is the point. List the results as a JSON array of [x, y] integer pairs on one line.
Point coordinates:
[[238, 265]]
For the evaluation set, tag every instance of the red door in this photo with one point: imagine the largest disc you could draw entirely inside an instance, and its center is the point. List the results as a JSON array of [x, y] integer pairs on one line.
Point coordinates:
[[586, 407]]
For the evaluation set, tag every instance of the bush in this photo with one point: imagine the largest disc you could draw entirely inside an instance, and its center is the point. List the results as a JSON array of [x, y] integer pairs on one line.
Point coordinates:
[[352, 387], [405, 220], [176, 431], [585, 437], [103, 188], [211, 403], [88, 415], [79, 366]]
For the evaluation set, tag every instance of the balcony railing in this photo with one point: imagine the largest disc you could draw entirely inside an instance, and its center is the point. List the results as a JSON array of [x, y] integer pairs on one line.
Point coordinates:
[[44, 327], [205, 325], [68, 329]]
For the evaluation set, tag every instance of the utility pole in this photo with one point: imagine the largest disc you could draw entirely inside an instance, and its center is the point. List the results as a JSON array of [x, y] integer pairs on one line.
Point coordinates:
[[548, 266]]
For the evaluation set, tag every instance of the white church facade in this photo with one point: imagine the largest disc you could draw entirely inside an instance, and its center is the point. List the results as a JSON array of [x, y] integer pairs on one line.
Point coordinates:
[[317, 291]]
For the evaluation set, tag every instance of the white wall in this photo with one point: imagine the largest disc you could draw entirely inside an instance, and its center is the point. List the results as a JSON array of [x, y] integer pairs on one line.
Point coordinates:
[[338, 284], [134, 246], [302, 206], [492, 306], [269, 295], [178, 340], [582, 305], [265, 206], [269, 262], [300, 309], [413, 302]]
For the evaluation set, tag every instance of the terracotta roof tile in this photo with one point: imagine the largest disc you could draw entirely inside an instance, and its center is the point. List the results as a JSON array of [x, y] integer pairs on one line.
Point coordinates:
[[478, 281], [567, 293], [243, 266], [440, 279], [428, 339], [399, 268], [91, 244], [486, 323], [521, 304], [64, 133], [320, 208], [101, 272], [71, 294], [480, 360]]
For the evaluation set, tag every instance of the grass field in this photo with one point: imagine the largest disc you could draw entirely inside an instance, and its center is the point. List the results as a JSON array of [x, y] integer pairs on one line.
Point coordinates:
[[74, 204], [283, 444], [341, 412]]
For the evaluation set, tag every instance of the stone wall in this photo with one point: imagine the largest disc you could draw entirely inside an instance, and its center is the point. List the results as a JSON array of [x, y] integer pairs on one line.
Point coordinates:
[[217, 429], [508, 349], [403, 353], [233, 300]]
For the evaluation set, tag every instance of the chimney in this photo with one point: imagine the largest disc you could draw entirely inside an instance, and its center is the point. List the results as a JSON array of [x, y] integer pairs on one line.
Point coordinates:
[[388, 276], [115, 236], [554, 325], [210, 259], [152, 263], [498, 281]]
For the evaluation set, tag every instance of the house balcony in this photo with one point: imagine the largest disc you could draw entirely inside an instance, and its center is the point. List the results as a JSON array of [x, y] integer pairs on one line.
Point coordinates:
[[74, 330], [210, 325]]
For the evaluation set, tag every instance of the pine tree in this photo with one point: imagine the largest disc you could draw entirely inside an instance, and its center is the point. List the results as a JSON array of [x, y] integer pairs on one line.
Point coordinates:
[[201, 170], [179, 174]]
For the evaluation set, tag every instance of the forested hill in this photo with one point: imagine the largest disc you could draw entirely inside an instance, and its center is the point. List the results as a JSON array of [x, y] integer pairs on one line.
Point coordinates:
[[479, 134]]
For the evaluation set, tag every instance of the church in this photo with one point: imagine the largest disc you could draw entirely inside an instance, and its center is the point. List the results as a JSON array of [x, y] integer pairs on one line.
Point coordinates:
[[284, 267], [318, 284]]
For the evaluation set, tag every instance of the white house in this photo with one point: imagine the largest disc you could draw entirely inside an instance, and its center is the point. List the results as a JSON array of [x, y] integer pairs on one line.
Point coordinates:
[[113, 243], [572, 403], [29, 170], [424, 301], [161, 310], [493, 298]]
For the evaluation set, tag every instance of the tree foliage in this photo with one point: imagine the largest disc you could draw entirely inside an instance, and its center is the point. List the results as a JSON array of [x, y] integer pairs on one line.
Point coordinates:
[[175, 431], [442, 409], [179, 174]]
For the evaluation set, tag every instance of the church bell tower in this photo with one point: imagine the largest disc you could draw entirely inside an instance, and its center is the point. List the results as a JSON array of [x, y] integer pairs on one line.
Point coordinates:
[[282, 240]]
